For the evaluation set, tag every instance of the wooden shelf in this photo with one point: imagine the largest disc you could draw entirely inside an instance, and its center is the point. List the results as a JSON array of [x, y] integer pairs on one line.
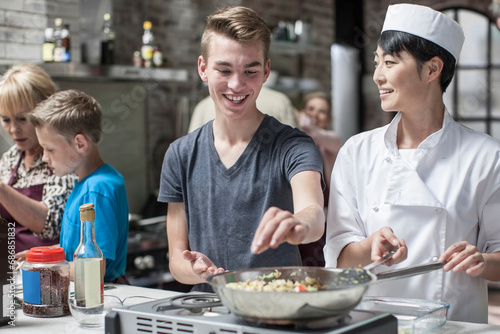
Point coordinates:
[[293, 49]]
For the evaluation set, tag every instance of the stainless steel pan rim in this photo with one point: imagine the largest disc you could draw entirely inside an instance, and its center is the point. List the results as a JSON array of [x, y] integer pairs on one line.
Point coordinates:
[[298, 306]]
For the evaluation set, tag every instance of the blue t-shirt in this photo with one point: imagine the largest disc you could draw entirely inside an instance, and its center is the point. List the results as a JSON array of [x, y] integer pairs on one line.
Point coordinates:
[[225, 205], [105, 188]]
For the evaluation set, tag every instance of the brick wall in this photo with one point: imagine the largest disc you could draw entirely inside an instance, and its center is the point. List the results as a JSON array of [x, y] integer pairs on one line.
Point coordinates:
[[178, 25], [22, 26]]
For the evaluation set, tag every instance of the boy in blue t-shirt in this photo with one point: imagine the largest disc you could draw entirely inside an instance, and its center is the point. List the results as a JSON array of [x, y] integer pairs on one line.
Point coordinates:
[[68, 126]]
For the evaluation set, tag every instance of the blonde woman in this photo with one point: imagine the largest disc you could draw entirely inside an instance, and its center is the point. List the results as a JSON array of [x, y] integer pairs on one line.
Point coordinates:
[[31, 196]]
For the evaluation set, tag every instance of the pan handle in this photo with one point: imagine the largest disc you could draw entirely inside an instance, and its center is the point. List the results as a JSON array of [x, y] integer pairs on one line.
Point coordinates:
[[410, 271]]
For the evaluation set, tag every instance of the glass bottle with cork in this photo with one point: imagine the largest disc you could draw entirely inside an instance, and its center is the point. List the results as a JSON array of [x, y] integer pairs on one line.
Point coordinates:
[[88, 262]]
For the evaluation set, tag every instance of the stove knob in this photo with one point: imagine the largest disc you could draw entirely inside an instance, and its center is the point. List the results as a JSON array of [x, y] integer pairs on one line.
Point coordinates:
[[139, 263], [149, 261]]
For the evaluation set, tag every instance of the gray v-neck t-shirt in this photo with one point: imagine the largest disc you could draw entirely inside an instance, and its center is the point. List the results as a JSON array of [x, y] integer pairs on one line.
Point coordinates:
[[225, 205]]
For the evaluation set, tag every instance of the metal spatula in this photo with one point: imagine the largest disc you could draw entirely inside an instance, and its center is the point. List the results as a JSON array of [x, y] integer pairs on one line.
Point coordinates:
[[358, 275]]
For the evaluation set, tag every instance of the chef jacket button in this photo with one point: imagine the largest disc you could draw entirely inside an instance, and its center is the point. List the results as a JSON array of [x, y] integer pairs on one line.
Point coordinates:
[[388, 160], [375, 209], [438, 210]]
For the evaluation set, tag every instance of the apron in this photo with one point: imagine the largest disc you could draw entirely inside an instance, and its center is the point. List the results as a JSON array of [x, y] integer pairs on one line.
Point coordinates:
[[25, 239]]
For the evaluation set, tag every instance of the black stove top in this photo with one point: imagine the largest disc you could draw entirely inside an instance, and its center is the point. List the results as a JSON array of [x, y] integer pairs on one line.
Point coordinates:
[[203, 313]]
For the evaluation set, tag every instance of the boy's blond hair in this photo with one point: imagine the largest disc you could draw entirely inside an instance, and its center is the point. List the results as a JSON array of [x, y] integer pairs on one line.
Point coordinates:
[[24, 86], [70, 112], [240, 24]]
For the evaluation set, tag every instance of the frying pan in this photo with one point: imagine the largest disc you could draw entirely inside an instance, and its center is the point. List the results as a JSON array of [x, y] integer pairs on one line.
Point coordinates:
[[288, 307]]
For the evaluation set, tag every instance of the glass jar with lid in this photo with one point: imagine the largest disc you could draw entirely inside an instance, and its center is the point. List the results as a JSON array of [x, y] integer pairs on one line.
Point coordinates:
[[45, 282]]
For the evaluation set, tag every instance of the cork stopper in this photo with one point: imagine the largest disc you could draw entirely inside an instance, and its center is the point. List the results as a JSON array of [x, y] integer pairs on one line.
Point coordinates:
[[87, 212]]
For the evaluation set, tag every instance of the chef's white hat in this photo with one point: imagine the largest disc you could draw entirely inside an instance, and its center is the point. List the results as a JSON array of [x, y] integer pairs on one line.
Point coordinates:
[[427, 23]]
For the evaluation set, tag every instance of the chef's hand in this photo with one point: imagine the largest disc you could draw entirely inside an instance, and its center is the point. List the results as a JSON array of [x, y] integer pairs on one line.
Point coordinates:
[[201, 265], [384, 241], [277, 226], [463, 256]]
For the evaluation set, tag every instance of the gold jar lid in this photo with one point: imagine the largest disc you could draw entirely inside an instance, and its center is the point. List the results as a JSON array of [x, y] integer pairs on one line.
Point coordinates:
[[87, 212]]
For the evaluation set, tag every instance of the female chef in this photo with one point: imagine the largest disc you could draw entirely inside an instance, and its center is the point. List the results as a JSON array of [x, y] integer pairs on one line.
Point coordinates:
[[423, 184]]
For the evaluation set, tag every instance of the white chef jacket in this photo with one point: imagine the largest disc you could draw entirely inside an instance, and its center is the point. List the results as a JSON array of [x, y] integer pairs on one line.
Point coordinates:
[[449, 192]]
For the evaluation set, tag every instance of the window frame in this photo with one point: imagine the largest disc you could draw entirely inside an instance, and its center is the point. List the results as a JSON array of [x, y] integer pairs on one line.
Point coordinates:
[[489, 118]]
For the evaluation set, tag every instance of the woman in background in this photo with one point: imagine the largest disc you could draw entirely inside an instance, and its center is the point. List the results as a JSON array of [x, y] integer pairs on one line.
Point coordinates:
[[315, 119], [30, 194]]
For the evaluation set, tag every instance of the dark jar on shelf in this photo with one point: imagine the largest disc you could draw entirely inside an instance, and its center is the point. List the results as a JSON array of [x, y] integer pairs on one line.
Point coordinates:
[[45, 283]]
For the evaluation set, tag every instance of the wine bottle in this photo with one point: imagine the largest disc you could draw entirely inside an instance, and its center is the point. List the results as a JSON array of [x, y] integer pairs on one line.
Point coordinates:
[[107, 42]]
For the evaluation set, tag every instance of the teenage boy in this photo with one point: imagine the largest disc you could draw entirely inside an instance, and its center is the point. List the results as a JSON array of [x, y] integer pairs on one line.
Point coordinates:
[[243, 174]]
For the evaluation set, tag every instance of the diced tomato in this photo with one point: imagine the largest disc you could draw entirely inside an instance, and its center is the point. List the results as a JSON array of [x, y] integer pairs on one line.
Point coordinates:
[[300, 288]]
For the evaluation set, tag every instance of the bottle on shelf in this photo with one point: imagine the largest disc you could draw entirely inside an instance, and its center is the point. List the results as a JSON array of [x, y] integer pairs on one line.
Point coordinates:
[[157, 56], [58, 48], [137, 59], [48, 46], [66, 43], [147, 45], [107, 42], [88, 262]]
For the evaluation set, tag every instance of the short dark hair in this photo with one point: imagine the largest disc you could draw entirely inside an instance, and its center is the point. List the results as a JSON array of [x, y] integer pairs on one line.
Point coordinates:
[[393, 42]]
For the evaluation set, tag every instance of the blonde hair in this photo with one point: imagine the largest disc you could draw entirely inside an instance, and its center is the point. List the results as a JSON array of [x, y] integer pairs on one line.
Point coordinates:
[[70, 112], [24, 86], [240, 24]]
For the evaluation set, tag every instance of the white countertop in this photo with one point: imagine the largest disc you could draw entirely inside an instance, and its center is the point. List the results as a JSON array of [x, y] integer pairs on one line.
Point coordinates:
[[67, 324]]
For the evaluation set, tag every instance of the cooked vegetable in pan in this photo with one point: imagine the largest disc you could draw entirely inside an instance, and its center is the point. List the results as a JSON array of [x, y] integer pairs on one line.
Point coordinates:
[[273, 282]]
